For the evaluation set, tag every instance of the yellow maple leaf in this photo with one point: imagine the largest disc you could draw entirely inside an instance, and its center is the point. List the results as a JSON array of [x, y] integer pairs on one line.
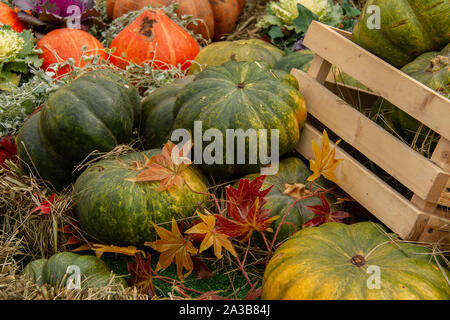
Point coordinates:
[[212, 237], [99, 249], [325, 162], [172, 244]]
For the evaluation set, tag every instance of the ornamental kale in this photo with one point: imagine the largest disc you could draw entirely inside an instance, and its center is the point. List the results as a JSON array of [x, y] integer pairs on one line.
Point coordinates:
[[288, 20], [17, 55]]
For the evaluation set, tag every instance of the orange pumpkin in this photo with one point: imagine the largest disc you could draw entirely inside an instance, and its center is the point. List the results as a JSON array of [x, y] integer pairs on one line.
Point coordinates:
[[61, 44], [216, 17], [9, 17], [154, 36]]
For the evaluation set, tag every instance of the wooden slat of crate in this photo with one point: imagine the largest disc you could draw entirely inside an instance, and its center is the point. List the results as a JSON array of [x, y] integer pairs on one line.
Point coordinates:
[[357, 96], [417, 173], [390, 207], [406, 93]]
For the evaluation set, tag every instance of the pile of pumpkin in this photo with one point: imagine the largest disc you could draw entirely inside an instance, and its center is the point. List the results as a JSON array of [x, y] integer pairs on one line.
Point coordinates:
[[242, 84]]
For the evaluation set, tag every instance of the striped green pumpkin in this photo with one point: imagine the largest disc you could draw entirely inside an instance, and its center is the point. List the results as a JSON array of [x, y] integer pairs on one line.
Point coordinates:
[[117, 211], [157, 113], [408, 28], [242, 95], [97, 111], [53, 271], [220, 52], [433, 70], [340, 262]]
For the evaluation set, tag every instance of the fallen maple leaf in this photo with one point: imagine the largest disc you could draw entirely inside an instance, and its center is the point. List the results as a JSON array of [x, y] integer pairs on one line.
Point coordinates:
[[165, 167], [201, 270], [45, 207], [71, 232], [141, 274], [172, 244], [212, 236], [296, 191], [324, 163], [99, 249], [245, 210], [253, 293], [8, 149], [324, 214]]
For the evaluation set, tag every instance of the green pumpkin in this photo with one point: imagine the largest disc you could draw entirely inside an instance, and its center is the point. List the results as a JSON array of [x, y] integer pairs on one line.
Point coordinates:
[[97, 111], [53, 271], [112, 209], [431, 69], [240, 50], [407, 29], [241, 95], [287, 187], [157, 113], [341, 262]]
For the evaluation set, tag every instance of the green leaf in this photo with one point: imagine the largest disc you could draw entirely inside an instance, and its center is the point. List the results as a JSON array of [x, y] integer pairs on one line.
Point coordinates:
[[16, 66], [349, 10], [268, 21], [33, 60], [28, 46], [334, 16], [304, 19], [8, 80], [275, 32]]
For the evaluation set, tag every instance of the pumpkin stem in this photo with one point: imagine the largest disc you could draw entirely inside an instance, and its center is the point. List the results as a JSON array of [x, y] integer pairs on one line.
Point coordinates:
[[438, 63], [358, 260], [241, 85]]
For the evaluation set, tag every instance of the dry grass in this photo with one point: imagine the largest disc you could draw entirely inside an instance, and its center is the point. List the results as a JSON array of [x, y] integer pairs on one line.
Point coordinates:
[[246, 25], [38, 235]]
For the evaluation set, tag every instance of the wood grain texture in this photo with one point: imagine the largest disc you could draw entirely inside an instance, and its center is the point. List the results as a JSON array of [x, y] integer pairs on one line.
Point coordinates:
[[407, 166], [395, 86]]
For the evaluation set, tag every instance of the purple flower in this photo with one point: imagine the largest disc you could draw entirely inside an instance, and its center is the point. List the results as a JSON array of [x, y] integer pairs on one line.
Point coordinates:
[[299, 45]]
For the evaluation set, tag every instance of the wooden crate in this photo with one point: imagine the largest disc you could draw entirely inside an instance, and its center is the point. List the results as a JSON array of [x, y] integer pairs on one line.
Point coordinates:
[[419, 218]]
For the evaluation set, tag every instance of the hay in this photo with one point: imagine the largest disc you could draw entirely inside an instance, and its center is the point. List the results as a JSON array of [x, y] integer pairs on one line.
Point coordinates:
[[246, 24]]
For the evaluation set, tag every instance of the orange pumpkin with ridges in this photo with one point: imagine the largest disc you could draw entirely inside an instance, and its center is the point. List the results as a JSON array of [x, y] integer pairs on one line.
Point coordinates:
[[61, 44], [9, 17], [154, 36], [199, 9], [216, 17]]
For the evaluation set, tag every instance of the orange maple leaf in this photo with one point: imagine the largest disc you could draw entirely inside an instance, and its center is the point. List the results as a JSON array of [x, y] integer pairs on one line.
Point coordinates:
[[325, 162], [173, 244], [166, 167], [101, 248], [212, 236]]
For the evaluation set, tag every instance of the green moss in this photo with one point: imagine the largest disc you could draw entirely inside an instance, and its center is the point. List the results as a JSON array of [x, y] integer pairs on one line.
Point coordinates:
[[233, 284]]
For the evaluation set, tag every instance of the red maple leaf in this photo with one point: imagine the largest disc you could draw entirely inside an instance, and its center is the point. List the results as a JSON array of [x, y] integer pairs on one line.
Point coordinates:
[[141, 274], [245, 210], [45, 207], [8, 149], [71, 231], [324, 214]]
